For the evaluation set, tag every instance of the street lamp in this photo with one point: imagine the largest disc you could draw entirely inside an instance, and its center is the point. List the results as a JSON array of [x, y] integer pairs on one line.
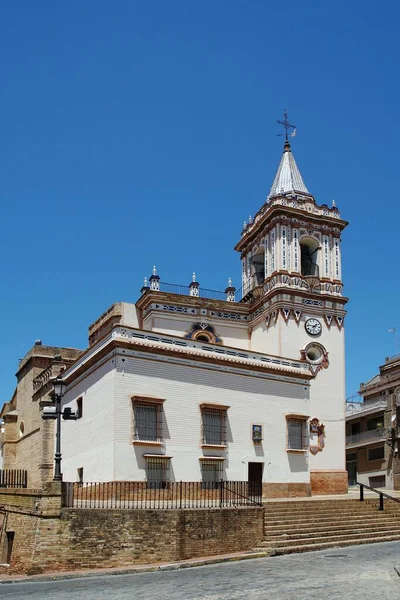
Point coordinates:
[[55, 413], [59, 389]]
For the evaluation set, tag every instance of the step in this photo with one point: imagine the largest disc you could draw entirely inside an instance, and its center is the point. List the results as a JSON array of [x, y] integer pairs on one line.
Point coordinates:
[[314, 509], [321, 539], [328, 513], [285, 529], [306, 503], [327, 519], [326, 545], [366, 531]]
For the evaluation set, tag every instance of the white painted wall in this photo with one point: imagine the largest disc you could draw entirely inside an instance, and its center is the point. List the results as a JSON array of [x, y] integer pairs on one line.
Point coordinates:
[[327, 396], [231, 333], [89, 441], [101, 442]]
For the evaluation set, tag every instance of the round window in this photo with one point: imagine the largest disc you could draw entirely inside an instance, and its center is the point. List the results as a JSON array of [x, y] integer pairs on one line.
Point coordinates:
[[314, 353]]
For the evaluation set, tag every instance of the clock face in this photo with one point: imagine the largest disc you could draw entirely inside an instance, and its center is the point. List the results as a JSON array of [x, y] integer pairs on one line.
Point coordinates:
[[313, 326]]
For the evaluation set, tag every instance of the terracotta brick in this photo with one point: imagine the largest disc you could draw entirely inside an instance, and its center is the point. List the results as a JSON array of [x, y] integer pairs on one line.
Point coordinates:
[[329, 482]]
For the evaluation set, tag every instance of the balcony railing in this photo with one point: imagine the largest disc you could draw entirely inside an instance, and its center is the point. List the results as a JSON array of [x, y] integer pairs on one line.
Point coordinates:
[[353, 408], [366, 436]]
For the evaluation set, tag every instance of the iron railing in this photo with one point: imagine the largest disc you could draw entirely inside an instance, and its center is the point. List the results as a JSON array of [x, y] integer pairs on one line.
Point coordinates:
[[176, 495], [13, 478], [184, 290], [366, 436], [354, 408], [382, 495]]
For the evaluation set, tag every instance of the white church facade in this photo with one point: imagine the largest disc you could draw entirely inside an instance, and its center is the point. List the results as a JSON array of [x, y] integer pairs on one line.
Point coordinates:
[[246, 385]]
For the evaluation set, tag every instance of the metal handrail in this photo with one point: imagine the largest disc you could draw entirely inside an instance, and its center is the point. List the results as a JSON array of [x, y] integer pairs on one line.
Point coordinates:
[[381, 494]]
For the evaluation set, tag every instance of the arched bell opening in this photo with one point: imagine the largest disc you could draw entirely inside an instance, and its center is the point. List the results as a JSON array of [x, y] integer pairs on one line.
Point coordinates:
[[258, 267], [309, 256]]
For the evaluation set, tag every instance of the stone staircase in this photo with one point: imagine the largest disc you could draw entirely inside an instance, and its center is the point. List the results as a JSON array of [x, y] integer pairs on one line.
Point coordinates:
[[303, 526]]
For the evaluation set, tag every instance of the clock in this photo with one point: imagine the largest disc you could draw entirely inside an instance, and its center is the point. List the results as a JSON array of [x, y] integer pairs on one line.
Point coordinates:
[[313, 326]]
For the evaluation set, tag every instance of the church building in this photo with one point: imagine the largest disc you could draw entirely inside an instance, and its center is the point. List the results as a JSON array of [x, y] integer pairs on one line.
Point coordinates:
[[190, 384], [195, 385]]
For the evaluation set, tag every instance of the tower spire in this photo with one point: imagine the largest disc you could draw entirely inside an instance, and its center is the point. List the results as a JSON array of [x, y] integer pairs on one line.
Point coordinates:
[[288, 177]]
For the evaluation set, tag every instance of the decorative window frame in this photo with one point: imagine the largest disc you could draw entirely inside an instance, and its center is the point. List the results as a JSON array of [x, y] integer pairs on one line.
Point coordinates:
[[218, 463], [201, 329], [305, 441], [157, 459], [223, 410], [150, 401], [318, 363]]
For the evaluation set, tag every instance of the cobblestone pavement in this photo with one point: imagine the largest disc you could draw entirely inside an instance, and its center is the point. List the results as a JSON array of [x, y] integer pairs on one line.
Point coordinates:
[[356, 573]]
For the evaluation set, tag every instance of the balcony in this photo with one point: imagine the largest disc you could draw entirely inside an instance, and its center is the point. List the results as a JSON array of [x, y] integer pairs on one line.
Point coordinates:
[[366, 437], [358, 408]]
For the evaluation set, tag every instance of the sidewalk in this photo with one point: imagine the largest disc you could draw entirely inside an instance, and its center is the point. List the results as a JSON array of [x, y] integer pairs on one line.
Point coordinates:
[[184, 564]]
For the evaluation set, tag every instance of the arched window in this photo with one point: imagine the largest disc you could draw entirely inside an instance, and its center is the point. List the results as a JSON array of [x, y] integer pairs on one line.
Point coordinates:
[[258, 267], [202, 338], [309, 256]]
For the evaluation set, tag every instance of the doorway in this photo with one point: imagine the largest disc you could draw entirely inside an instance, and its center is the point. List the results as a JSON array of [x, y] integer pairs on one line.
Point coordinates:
[[255, 475], [351, 468], [7, 548]]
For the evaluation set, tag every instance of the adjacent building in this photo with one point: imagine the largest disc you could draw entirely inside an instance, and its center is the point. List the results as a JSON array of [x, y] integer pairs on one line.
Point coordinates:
[[372, 430], [196, 385]]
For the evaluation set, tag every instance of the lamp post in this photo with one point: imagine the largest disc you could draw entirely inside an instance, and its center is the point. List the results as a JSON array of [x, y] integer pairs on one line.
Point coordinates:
[[55, 413], [59, 389]]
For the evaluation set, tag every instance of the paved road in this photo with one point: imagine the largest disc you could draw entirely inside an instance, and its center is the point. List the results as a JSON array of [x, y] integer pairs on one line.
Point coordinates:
[[357, 573]]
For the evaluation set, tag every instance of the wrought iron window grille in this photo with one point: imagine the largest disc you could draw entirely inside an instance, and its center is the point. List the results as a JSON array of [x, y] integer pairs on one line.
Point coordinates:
[[214, 427], [147, 422]]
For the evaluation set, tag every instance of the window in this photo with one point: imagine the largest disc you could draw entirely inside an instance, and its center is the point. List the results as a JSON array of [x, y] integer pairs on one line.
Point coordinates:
[[297, 438], [157, 472], [376, 453], [211, 473], [378, 481], [147, 421], [79, 408], [374, 423], [214, 426]]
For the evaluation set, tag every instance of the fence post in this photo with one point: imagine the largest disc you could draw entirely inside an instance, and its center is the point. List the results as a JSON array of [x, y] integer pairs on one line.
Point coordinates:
[[180, 494], [380, 501], [221, 493], [361, 492]]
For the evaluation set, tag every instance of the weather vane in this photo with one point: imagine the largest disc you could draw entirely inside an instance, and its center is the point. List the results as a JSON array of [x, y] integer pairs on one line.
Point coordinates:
[[285, 123]]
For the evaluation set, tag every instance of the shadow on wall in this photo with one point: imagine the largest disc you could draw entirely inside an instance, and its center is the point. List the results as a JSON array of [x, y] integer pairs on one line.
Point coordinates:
[[298, 462]]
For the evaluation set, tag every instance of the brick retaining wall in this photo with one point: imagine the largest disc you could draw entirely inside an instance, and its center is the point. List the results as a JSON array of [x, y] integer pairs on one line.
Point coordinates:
[[47, 539]]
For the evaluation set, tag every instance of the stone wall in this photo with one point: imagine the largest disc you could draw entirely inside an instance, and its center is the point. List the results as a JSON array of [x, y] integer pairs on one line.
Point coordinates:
[[47, 539]]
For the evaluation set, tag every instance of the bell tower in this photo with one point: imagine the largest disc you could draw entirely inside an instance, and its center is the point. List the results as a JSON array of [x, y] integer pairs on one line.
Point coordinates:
[[292, 278]]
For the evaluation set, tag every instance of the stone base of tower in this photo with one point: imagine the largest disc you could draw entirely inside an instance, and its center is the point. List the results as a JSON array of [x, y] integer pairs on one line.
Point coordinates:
[[330, 481], [285, 490]]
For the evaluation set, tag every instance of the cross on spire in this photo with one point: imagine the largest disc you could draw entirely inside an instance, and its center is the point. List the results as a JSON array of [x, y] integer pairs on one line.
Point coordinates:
[[285, 123]]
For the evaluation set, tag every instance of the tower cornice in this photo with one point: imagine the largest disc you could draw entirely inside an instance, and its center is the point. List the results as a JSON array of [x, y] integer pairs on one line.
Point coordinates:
[[302, 209]]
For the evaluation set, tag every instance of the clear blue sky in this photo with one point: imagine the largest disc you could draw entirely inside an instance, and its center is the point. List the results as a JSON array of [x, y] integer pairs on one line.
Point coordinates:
[[140, 133]]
